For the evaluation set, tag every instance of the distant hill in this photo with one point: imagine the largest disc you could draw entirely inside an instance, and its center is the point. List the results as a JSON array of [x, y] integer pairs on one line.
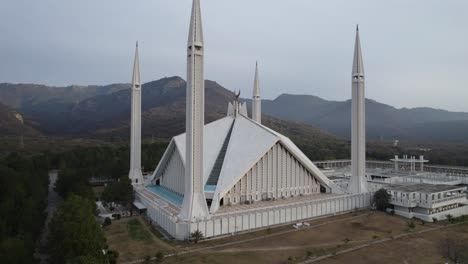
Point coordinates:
[[105, 110], [46, 105], [11, 123], [382, 121]]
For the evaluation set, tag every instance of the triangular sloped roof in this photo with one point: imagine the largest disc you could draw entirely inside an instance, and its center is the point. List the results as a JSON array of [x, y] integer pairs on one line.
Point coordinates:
[[213, 136], [249, 142]]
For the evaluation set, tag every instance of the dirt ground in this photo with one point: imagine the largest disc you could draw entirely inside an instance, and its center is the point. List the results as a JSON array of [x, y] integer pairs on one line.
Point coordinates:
[[287, 245]]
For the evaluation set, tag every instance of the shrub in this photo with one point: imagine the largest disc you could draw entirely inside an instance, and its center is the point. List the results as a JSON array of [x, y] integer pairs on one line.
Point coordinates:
[[107, 221], [112, 256], [116, 216], [159, 256], [449, 218], [196, 236], [382, 199]]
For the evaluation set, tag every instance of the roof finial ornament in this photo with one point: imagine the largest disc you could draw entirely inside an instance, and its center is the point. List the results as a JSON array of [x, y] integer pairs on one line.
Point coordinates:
[[238, 95]]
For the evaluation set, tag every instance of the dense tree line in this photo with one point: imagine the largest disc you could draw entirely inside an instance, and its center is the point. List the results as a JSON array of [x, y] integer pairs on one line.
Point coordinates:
[[106, 161], [23, 198]]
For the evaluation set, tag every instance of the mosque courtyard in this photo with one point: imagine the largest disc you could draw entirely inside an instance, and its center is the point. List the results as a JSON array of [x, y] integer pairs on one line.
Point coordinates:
[[359, 237]]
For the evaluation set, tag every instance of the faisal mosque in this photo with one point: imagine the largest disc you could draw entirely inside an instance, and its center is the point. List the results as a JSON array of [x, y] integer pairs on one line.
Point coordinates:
[[236, 175]]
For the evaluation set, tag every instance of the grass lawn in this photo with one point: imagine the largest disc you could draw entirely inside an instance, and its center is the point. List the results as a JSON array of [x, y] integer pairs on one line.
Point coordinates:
[[132, 238], [282, 245], [137, 231]]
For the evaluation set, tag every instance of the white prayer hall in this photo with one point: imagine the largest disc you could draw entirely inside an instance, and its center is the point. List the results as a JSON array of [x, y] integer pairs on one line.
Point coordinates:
[[235, 174]]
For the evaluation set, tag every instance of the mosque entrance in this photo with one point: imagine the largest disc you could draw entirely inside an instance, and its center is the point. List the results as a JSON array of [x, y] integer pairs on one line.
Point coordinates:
[[322, 189]]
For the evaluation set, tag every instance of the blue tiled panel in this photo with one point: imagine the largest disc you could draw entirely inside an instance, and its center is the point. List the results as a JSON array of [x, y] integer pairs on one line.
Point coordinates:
[[210, 188], [167, 194]]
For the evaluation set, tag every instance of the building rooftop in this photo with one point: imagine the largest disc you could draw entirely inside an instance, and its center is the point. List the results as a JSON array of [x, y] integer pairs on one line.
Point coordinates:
[[421, 187]]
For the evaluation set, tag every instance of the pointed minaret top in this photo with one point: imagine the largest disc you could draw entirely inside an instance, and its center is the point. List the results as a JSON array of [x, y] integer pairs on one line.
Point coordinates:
[[136, 70], [256, 90], [358, 65], [196, 32]]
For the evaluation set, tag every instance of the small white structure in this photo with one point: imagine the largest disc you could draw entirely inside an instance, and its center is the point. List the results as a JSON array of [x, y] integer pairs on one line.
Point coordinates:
[[358, 182], [135, 135], [413, 163], [428, 201]]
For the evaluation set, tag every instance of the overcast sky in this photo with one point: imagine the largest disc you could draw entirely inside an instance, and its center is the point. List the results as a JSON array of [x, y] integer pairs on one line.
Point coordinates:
[[415, 51]]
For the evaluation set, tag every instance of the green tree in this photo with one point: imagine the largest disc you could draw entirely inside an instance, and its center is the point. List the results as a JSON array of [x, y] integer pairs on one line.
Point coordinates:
[[121, 191], [71, 181], [382, 199], [74, 232], [88, 260]]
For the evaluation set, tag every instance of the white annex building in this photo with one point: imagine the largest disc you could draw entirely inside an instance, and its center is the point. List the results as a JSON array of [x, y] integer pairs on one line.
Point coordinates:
[[235, 174]]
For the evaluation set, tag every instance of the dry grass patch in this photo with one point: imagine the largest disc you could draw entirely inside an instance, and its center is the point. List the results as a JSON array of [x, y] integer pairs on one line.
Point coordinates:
[[416, 248], [132, 238]]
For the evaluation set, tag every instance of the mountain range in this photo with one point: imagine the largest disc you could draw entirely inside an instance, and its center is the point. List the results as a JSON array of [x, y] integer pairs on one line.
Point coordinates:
[[382, 121], [104, 111]]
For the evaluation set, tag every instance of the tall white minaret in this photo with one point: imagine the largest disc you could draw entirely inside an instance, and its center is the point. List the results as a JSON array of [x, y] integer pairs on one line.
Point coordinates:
[[194, 205], [135, 135], [358, 182], [256, 101]]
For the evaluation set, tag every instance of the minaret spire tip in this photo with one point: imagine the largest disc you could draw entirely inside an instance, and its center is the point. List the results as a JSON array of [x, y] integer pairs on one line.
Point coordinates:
[[256, 101]]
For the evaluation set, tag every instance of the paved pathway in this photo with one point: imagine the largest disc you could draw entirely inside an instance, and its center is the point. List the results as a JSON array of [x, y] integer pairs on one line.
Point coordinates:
[[52, 201]]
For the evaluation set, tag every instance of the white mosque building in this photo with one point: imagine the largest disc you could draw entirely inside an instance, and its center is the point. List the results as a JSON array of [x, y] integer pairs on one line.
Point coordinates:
[[235, 174]]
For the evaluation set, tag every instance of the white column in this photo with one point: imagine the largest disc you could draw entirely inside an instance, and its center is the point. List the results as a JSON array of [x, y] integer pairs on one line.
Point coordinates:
[[135, 174], [194, 205], [358, 183]]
